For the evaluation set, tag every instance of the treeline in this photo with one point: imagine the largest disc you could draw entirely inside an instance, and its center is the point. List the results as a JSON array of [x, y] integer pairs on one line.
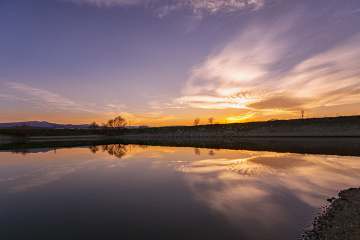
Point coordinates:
[[115, 125], [26, 131], [111, 127]]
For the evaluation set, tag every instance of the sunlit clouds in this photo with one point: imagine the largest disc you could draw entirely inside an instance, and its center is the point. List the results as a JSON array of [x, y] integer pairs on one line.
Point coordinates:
[[242, 118], [221, 183], [252, 72]]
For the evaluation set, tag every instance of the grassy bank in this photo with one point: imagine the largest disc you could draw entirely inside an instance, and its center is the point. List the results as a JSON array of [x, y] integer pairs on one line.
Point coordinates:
[[313, 127]]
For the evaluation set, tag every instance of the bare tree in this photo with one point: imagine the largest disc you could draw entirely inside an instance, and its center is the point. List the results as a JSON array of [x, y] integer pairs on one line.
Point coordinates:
[[211, 120], [196, 121], [21, 131], [119, 122], [110, 123], [104, 127], [93, 126]]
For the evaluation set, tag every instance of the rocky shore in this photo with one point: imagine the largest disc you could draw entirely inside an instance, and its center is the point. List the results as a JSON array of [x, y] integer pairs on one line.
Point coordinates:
[[341, 220]]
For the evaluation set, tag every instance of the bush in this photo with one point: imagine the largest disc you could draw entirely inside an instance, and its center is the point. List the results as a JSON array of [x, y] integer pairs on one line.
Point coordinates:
[[20, 131]]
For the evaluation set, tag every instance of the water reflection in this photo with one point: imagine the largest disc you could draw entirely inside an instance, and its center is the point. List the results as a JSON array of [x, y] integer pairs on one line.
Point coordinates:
[[211, 152], [117, 150], [22, 151], [245, 194], [267, 189], [197, 151], [94, 149]]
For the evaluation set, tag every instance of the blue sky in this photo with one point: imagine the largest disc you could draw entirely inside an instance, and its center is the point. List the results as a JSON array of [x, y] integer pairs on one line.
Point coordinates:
[[167, 62]]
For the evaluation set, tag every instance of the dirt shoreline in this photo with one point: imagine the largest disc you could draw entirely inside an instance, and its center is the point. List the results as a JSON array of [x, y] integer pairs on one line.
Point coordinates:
[[341, 220], [303, 145]]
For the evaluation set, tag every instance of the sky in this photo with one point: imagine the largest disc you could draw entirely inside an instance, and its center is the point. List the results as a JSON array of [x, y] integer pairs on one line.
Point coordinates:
[[163, 62]]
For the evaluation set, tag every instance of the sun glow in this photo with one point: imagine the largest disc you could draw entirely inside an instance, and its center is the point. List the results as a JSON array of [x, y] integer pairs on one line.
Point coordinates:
[[243, 118]]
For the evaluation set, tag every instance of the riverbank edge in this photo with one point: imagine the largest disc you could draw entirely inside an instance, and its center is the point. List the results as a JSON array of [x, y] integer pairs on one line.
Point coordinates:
[[303, 145], [340, 220]]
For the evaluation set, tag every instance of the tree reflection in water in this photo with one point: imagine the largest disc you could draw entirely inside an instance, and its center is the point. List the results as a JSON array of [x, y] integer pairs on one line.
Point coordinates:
[[20, 148], [22, 151], [94, 149], [197, 151], [142, 146], [117, 150]]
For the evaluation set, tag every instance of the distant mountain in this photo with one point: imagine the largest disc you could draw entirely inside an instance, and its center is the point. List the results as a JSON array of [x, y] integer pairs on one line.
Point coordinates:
[[37, 124]]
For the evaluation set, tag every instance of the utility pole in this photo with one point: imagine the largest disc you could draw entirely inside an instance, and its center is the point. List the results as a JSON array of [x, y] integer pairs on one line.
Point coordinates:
[[302, 114]]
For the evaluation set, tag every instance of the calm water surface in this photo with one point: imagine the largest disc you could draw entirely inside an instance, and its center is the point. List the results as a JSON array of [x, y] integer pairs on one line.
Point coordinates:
[[139, 192]]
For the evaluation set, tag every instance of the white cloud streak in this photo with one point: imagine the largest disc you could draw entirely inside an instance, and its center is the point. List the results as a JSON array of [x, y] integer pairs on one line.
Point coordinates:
[[221, 184], [109, 3], [198, 7], [249, 73]]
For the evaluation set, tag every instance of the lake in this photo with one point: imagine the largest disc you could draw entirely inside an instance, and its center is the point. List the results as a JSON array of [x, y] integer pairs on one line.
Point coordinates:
[[128, 191]]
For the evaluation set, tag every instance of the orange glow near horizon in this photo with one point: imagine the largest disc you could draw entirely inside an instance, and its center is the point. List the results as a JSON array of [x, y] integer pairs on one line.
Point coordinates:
[[185, 120]]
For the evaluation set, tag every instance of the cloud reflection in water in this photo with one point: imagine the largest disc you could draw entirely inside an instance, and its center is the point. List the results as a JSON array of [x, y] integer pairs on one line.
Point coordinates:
[[268, 189], [246, 188]]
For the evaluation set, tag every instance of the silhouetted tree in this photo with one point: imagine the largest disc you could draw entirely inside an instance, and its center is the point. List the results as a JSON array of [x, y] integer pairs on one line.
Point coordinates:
[[211, 120], [104, 128], [196, 121], [119, 122], [21, 131], [93, 127], [110, 123]]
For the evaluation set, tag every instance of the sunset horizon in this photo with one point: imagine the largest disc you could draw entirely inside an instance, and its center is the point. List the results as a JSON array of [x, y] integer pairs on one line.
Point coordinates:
[[161, 63]]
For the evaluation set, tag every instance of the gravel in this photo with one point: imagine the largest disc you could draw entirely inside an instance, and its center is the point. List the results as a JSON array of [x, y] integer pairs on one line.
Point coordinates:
[[341, 219]]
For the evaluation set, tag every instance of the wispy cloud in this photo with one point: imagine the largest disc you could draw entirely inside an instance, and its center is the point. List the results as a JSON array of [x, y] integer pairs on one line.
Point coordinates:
[[253, 72], [198, 7], [48, 101], [109, 3], [11, 97], [47, 98], [234, 76]]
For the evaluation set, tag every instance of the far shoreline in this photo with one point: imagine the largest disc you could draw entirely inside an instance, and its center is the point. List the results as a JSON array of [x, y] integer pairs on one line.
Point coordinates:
[[332, 127]]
